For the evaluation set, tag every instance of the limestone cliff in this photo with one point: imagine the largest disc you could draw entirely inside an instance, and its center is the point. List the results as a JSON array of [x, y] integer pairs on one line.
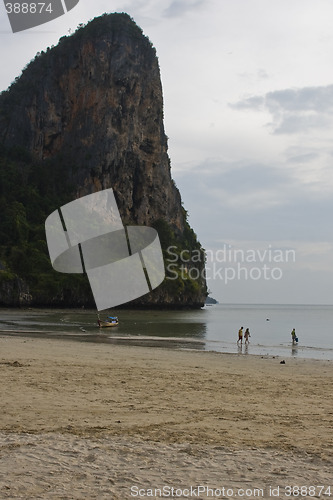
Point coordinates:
[[91, 108]]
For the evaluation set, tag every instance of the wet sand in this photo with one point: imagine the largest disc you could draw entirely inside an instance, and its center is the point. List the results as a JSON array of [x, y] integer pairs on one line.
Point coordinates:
[[85, 421]]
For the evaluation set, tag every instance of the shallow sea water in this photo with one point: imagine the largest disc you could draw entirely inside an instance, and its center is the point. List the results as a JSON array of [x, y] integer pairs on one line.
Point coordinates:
[[213, 328]]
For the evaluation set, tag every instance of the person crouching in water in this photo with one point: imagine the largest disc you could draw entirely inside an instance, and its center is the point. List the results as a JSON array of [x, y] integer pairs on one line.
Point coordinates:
[[247, 335], [240, 335]]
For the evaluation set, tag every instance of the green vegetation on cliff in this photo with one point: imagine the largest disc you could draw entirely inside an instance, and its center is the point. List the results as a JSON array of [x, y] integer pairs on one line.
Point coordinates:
[[29, 192]]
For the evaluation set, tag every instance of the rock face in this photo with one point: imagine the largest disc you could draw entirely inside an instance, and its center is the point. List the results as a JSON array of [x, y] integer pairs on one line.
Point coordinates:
[[98, 104], [14, 292], [94, 104]]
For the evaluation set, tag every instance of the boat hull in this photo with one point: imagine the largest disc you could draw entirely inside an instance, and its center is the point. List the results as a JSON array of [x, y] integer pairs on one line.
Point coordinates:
[[107, 325]]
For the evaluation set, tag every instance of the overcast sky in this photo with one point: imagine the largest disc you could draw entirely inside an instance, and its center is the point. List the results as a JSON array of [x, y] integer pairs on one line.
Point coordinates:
[[248, 105]]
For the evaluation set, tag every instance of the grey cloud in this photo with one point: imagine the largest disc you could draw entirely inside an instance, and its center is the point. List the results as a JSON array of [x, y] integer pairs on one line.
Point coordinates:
[[298, 215], [179, 7], [317, 99], [253, 177], [255, 103], [300, 123], [303, 158], [238, 177], [305, 99], [294, 110], [262, 74]]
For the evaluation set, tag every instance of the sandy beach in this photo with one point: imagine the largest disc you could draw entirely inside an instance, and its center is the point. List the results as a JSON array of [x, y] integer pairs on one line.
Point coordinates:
[[86, 421]]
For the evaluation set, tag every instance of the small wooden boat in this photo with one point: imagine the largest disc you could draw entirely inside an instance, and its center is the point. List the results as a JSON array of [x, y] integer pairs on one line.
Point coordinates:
[[109, 322]]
